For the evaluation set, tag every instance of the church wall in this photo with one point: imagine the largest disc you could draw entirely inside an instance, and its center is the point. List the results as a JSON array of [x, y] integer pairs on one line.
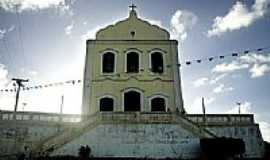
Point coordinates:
[[136, 140], [114, 84], [25, 133], [157, 141], [116, 89], [121, 47], [127, 139]]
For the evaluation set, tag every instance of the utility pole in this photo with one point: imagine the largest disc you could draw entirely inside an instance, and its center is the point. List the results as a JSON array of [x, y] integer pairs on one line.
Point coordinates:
[[203, 109], [61, 113], [19, 82], [239, 107], [61, 107]]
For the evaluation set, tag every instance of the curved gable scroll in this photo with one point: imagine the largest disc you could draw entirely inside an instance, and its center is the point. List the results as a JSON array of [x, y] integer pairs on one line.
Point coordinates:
[[133, 28]]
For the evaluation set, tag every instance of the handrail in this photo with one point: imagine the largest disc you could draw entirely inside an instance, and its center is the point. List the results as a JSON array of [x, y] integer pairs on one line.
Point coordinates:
[[221, 118], [73, 118], [39, 116]]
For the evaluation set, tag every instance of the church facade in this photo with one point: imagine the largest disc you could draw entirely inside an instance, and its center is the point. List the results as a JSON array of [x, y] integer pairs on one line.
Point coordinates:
[[132, 105], [132, 66]]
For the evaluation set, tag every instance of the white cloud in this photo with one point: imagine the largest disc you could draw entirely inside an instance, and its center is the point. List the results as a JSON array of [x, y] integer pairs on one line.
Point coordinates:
[[259, 70], [239, 16], [91, 34], [260, 64], [3, 32], [256, 58], [229, 67], [216, 79], [181, 22], [208, 81], [221, 88], [10, 5], [11, 28], [4, 81], [69, 28], [200, 82], [6, 98], [257, 64]]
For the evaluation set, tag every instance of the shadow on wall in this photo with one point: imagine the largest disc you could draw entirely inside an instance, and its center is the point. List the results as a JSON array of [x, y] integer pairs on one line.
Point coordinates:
[[222, 148], [212, 149]]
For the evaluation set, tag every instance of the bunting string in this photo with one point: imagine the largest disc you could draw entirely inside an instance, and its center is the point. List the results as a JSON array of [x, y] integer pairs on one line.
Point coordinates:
[[43, 86], [221, 57], [185, 63]]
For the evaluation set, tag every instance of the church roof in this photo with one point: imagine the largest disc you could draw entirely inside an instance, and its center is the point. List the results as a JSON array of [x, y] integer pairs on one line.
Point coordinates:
[[132, 28]]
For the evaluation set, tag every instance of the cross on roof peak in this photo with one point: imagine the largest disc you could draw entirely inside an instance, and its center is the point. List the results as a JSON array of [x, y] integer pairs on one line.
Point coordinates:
[[132, 6]]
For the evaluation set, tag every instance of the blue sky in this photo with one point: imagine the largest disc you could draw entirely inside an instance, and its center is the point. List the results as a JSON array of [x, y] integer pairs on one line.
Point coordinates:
[[52, 49]]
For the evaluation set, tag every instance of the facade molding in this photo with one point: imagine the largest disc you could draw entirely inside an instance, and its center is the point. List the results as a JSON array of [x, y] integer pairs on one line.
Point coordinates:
[[133, 77], [109, 50], [133, 50], [157, 50]]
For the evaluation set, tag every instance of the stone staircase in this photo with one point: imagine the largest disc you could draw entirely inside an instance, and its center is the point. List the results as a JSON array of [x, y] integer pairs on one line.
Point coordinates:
[[193, 127], [54, 142]]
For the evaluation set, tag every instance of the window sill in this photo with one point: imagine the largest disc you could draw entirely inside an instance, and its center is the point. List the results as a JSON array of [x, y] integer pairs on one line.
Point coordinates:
[[109, 74], [157, 74]]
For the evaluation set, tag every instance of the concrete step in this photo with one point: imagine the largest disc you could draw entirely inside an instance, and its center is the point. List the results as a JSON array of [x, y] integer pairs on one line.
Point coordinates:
[[193, 127], [59, 139]]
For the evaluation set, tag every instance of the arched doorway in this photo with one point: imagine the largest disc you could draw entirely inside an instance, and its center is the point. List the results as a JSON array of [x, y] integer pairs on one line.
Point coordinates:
[[132, 101]]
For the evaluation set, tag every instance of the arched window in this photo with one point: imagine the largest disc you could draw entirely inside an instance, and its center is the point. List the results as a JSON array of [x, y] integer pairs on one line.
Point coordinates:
[[157, 62], [132, 101], [108, 62], [106, 104], [132, 62], [158, 104]]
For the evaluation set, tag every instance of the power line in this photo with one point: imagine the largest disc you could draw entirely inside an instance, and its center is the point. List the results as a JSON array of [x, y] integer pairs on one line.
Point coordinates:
[[44, 86]]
